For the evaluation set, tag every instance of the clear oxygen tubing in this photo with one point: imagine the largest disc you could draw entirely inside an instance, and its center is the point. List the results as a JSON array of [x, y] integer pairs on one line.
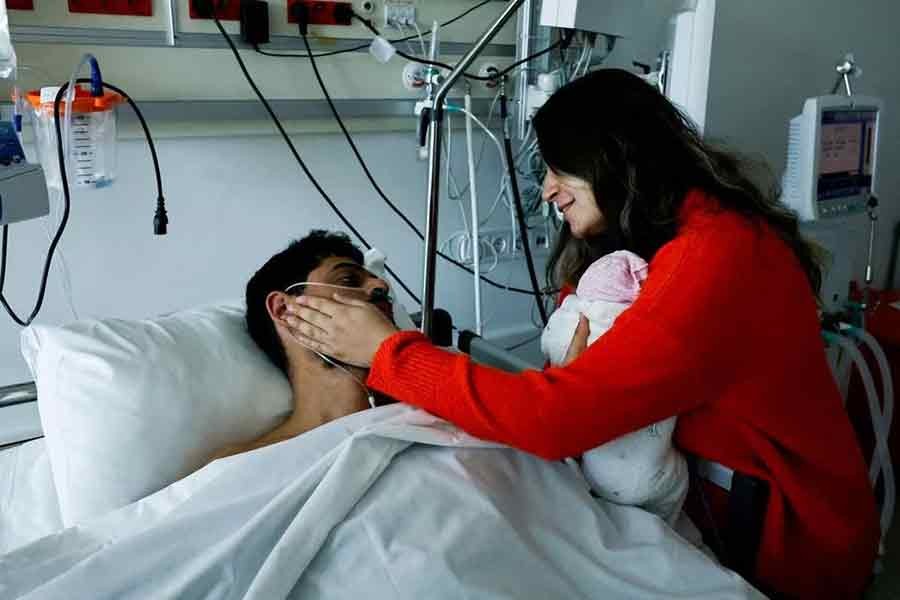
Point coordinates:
[[881, 459], [877, 463], [887, 380], [502, 153], [887, 416], [473, 197], [62, 266], [369, 395]]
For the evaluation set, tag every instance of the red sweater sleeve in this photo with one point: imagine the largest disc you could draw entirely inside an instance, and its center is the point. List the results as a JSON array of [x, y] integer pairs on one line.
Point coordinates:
[[662, 357], [554, 413]]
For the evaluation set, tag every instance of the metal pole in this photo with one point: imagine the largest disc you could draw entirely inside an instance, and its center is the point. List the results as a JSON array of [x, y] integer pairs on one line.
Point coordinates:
[[431, 220], [523, 51], [873, 221], [434, 162]]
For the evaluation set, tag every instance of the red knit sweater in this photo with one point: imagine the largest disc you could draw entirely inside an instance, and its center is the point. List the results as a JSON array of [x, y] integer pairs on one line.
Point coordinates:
[[725, 335]]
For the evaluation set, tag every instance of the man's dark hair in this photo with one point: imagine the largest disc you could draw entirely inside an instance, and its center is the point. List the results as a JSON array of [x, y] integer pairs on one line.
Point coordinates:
[[291, 265]]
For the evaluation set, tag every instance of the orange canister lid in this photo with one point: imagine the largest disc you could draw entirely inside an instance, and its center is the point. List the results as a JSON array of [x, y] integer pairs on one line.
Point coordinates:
[[84, 102]]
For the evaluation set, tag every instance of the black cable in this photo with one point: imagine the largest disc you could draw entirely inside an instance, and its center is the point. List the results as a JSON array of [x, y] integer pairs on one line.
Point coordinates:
[[436, 63], [67, 200], [523, 343], [557, 44], [424, 61], [562, 42], [297, 156], [160, 219], [365, 46], [520, 211], [377, 188], [59, 230]]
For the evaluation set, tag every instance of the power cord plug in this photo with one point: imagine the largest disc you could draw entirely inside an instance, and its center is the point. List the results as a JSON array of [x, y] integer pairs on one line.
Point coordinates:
[[300, 12], [206, 9], [255, 22], [160, 219]]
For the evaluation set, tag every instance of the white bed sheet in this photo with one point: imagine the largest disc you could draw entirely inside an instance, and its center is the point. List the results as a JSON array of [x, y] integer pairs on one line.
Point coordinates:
[[28, 505], [388, 503]]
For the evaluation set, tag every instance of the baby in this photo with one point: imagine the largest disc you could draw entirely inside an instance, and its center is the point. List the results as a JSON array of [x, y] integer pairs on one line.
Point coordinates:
[[641, 468]]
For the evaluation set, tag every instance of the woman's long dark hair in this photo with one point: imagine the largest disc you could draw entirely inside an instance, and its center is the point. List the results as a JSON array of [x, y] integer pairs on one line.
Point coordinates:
[[642, 156]]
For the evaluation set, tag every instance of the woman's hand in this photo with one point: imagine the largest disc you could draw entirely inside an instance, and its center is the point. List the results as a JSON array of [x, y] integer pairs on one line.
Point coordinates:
[[579, 341], [347, 329]]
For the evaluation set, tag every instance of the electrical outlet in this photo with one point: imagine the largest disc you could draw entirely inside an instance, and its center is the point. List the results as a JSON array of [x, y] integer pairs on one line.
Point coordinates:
[[323, 13], [413, 76], [540, 244], [399, 14], [366, 7], [226, 10], [486, 70], [134, 8], [508, 247], [541, 241]]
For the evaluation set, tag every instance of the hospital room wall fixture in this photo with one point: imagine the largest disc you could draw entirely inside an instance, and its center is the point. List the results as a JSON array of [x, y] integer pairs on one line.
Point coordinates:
[[160, 221], [495, 78], [301, 13]]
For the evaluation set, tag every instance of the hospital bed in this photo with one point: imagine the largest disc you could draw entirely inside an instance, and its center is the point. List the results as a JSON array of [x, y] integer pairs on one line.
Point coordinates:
[[30, 506], [30, 510]]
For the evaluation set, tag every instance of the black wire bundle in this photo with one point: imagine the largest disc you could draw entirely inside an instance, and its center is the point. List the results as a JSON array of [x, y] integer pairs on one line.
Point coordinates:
[[298, 158], [312, 57], [496, 76], [375, 184], [520, 210]]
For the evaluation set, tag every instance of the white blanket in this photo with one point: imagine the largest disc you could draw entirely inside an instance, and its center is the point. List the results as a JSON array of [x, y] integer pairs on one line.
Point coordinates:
[[28, 506], [387, 503]]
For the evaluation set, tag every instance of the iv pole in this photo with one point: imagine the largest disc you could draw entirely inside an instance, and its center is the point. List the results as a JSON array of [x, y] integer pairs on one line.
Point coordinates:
[[434, 161], [846, 69]]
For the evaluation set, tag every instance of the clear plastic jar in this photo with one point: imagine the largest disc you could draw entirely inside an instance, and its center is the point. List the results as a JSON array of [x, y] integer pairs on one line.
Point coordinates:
[[92, 150]]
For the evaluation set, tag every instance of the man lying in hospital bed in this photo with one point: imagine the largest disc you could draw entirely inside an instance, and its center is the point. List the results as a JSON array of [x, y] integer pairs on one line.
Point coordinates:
[[322, 389], [390, 502]]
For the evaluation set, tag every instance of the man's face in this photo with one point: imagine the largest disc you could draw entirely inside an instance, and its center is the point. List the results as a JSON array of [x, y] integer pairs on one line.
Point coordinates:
[[343, 271]]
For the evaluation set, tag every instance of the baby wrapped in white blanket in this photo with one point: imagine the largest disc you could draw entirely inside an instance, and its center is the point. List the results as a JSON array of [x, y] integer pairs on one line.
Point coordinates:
[[641, 468]]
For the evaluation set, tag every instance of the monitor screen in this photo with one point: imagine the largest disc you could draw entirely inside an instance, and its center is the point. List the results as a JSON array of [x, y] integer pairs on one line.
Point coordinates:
[[847, 152]]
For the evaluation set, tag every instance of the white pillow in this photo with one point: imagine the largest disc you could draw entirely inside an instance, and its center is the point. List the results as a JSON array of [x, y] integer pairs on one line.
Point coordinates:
[[129, 407]]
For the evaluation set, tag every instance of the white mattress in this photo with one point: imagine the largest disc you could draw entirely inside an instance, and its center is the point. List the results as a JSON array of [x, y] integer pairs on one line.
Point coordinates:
[[28, 506]]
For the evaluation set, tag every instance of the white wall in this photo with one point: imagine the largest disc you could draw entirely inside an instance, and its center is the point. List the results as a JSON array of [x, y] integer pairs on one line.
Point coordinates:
[[232, 203], [769, 55]]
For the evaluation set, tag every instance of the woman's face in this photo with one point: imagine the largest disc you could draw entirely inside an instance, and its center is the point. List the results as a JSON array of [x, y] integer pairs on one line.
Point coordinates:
[[575, 200]]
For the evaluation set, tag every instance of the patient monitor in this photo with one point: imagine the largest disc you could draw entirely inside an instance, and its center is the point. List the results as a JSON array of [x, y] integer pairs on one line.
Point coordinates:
[[831, 177], [832, 155]]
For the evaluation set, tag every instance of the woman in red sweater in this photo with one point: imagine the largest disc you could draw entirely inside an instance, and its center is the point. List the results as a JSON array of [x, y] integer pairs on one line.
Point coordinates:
[[724, 334]]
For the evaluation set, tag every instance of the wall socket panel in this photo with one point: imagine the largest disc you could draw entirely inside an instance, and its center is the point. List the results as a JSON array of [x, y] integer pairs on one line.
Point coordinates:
[[399, 14], [508, 247]]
